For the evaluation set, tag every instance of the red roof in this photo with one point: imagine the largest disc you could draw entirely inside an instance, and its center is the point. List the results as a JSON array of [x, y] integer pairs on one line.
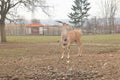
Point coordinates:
[[34, 25]]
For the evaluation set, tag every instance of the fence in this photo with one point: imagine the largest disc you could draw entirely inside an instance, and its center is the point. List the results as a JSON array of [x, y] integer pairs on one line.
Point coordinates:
[[20, 30], [54, 30]]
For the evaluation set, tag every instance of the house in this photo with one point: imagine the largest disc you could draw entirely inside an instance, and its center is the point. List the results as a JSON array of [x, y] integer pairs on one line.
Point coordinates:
[[35, 29]]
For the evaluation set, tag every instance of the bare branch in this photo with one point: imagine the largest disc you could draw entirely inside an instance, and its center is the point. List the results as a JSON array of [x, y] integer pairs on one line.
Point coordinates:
[[16, 4], [10, 20]]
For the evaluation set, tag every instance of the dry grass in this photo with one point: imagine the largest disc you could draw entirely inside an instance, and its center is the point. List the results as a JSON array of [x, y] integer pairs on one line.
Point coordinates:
[[41, 61], [31, 58]]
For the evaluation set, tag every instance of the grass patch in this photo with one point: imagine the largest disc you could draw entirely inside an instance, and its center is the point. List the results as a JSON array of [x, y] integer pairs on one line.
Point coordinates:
[[15, 52], [52, 49], [33, 39], [100, 49], [108, 39]]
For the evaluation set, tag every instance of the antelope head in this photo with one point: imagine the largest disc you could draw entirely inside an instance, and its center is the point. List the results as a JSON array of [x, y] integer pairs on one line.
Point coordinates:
[[65, 25]]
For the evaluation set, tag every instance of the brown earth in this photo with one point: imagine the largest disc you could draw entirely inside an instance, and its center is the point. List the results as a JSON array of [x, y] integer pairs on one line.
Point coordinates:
[[32, 61]]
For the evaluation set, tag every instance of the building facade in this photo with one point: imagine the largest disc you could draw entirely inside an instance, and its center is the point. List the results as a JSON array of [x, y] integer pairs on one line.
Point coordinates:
[[35, 29]]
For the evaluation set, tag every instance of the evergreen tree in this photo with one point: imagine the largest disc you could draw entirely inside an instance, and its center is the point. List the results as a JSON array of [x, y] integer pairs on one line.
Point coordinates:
[[79, 12]]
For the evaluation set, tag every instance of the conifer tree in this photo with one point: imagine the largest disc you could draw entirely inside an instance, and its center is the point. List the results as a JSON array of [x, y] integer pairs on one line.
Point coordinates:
[[79, 12]]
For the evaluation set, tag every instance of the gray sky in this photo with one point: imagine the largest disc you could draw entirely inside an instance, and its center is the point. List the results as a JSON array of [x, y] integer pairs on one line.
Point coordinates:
[[61, 9]]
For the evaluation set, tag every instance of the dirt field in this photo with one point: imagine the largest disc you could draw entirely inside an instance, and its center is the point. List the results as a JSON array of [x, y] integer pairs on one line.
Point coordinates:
[[41, 61]]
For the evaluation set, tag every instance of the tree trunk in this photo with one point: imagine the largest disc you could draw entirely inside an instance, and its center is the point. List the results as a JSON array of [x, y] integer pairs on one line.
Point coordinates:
[[2, 32]]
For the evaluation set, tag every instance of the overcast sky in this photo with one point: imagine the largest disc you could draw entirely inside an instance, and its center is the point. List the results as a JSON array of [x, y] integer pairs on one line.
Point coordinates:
[[60, 8], [63, 7]]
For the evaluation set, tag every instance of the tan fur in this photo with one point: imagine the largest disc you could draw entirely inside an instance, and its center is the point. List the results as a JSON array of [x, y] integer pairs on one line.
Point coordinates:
[[69, 37]]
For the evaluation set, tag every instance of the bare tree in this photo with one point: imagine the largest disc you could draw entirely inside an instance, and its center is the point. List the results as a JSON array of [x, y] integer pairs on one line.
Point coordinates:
[[109, 9], [7, 11]]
